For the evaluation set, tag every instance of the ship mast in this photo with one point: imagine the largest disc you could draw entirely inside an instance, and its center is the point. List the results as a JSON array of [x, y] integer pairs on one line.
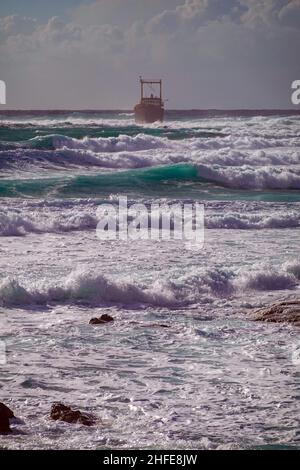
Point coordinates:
[[144, 82]]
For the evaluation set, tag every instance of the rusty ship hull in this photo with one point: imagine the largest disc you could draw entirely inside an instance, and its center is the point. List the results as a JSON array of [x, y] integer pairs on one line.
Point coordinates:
[[148, 113]]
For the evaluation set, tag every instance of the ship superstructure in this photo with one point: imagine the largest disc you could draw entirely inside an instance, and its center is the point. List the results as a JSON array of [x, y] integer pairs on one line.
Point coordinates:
[[151, 105]]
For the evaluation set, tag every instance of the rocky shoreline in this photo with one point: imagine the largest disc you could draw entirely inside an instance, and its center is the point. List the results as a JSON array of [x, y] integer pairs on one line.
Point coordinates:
[[285, 311]]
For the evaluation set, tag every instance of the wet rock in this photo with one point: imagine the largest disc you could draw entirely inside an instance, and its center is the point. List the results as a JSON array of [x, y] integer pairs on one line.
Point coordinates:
[[5, 415], [280, 312], [105, 318], [61, 412]]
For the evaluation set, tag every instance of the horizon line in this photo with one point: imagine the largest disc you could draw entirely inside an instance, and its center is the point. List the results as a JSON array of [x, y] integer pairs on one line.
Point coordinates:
[[131, 110]]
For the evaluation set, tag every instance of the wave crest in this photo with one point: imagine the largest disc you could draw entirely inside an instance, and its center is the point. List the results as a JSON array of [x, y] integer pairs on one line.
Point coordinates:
[[247, 177], [85, 287], [93, 289]]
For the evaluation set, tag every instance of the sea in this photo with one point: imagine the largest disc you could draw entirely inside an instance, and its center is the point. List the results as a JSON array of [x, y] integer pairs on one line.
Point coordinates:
[[182, 366]]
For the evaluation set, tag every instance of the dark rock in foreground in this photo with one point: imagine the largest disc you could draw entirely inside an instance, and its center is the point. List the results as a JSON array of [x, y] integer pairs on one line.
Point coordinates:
[[5, 415], [61, 412], [280, 312], [105, 318]]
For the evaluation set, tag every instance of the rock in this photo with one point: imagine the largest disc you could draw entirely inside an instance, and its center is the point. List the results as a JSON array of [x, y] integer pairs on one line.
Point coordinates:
[[280, 312], [61, 412], [105, 318], [5, 415]]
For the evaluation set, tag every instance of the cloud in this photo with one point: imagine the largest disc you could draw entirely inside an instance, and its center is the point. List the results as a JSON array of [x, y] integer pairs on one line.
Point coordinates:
[[122, 13], [15, 25], [290, 14], [193, 14], [56, 38], [272, 12], [212, 53]]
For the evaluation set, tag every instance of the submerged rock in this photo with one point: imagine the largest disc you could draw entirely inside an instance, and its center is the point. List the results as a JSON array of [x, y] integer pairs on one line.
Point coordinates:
[[61, 412], [280, 312], [5, 415], [105, 318]]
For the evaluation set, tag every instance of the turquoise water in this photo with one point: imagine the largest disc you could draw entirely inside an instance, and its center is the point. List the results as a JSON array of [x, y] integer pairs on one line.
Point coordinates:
[[79, 155], [169, 181], [22, 135]]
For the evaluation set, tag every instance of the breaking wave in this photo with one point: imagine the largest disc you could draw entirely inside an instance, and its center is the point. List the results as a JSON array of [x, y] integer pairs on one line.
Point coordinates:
[[247, 177], [97, 289], [111, 144], [19, 223], [230, 149], [200, 176], [94, 289], [268, 280], [241, 221], [213, 158], [293, 267]]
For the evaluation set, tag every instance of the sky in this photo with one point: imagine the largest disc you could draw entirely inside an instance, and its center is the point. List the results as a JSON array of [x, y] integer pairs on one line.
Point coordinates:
[[88, 54]]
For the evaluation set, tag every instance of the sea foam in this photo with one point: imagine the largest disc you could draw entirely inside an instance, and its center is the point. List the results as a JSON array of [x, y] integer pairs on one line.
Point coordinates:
[[63, 219], [84, 286], [96, 289]]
